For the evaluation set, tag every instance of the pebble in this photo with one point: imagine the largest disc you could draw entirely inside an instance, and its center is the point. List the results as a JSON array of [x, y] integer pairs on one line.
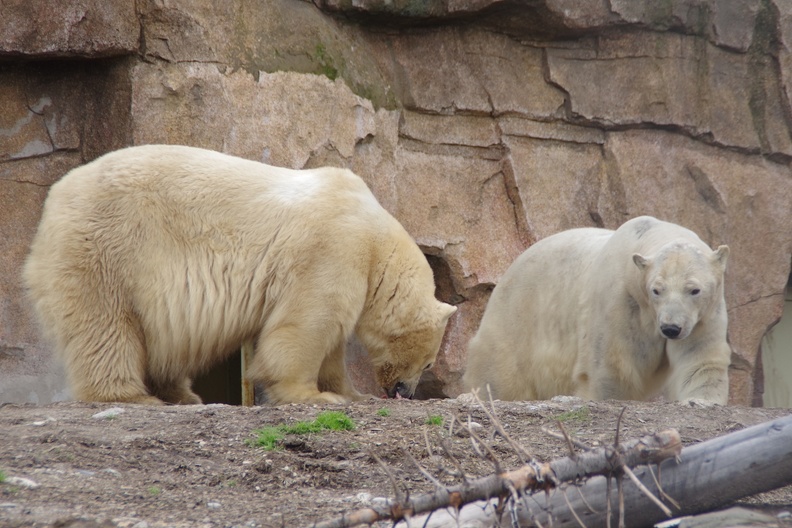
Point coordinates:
[[367, 499], [212, 505], [22, 482], [112, 412], [466, 397], [472, 426], [41, 423], [566, 399]]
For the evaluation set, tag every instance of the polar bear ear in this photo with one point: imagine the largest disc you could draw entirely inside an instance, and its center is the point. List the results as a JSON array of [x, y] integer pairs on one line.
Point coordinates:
[[444, 312], [721, 255], [641, 261]]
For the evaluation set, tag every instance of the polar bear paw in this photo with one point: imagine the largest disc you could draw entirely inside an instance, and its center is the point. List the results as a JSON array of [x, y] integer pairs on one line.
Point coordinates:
[[697, 403]]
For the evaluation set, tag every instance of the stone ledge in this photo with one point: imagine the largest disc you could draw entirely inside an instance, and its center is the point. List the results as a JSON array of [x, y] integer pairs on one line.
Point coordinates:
[[78, 28], [725, 23]]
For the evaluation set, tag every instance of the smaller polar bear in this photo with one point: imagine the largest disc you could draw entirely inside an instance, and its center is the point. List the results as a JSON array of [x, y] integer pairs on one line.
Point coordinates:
[[606, 314], [152, 263]]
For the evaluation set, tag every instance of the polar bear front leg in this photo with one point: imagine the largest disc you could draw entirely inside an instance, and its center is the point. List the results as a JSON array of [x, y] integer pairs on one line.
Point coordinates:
[[699, 373], [333, 376], [288, 361]]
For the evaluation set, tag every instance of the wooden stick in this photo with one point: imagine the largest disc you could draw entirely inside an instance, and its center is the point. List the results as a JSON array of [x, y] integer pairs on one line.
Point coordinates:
[[530, 477], [758, 459]]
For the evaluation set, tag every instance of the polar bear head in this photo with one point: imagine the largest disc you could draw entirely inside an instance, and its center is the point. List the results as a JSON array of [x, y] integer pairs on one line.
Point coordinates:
[[401, 358], [683, 283]]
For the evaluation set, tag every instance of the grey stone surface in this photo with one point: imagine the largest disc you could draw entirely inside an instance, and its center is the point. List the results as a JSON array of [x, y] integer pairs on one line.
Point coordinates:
[[77, 28]]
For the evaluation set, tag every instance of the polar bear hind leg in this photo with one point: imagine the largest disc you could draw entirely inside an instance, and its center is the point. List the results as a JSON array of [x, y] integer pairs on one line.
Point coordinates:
[[178, 392], [106, 362]]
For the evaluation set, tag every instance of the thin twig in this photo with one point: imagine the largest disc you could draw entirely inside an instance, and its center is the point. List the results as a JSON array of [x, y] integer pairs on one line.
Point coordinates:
[[646, 491], [620, 487], [618, 427], [452, 458], [515, 497], [398, 492], [571, 509], [492, 457], [568, 439], [522, 453], [663, 494], [585, 502], [576, 443], [423, 471], [608, 511], [428, 443]]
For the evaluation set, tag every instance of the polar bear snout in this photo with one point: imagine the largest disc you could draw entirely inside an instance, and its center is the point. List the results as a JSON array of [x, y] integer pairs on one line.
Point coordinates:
[[671, 331], [400, 391]]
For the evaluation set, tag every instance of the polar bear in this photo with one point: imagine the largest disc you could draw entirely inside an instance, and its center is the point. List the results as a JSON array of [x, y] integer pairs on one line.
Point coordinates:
[[606, 314], [152, 263]]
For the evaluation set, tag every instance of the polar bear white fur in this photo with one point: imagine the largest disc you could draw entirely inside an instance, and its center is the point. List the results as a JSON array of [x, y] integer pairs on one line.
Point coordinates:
[[606, 314], [152, 263]]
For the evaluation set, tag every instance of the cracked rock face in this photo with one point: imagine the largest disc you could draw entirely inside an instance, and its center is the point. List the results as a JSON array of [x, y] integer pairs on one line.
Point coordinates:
[[482, 125]]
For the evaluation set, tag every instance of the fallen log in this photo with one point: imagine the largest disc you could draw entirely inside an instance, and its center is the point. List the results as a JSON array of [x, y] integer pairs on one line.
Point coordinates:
[[708, 476], [531, 477]]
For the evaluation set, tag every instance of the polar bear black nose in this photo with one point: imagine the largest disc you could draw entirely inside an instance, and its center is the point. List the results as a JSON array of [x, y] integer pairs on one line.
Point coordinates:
[[671, 331], [400, 390]]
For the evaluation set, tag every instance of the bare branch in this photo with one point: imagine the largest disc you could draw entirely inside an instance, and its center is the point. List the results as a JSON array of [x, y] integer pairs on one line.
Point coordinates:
[[646, 491], [579, 445], [663, 494], [523, 453], [620, 486], [569, 505], [423, 471], [396, 490], [567, 438], [474, 437], [618, 427], [532, 477]]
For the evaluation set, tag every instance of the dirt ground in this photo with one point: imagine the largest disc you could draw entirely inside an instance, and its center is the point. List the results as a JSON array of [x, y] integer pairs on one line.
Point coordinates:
[[191, 465]]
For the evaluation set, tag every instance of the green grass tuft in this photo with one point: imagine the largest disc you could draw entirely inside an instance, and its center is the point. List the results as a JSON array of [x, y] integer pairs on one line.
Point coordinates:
[[384, 412], [269, 437], [582, 414], [335, 421], [434, 420], [2, 476]]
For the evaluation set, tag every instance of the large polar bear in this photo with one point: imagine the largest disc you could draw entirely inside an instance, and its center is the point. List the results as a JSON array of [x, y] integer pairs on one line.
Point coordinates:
[[607, 315], [152, 263]]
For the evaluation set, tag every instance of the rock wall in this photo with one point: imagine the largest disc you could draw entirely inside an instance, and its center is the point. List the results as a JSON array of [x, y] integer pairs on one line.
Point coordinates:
[[482, 125]]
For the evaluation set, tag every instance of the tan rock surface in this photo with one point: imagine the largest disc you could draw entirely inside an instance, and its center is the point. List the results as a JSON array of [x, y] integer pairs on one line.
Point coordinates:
[[77, 28]]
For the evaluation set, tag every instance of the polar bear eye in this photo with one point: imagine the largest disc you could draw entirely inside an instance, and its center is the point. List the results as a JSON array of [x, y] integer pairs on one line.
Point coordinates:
[[655, 291], [695, 291]]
